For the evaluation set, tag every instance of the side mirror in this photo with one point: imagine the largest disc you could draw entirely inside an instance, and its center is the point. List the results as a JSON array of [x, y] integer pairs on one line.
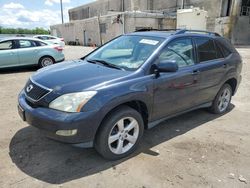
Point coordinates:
[[167, 66]]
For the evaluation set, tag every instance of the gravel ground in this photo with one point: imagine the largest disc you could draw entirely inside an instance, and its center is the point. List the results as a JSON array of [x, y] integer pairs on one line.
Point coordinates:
[[196, 149]]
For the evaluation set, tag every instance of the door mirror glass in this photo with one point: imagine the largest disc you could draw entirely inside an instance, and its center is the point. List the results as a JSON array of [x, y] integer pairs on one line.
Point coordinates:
[[167, 66]]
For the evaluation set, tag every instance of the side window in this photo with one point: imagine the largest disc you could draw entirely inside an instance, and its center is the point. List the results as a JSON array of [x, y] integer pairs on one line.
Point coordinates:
[[206, 49], [39, 43], [180, 50], [218, 51], [6, 45], [26, 44], [225, 51]]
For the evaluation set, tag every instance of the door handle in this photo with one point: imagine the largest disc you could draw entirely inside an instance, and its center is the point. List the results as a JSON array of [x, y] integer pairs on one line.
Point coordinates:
[[195, 72]]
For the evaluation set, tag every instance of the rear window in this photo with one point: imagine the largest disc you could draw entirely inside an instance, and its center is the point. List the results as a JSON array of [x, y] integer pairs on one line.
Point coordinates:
[[226, 52], [206, 49], [219, 51], [39, 43]]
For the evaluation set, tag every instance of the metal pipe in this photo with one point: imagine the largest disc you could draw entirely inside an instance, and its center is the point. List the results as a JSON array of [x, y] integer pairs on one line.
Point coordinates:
[[62, 11]]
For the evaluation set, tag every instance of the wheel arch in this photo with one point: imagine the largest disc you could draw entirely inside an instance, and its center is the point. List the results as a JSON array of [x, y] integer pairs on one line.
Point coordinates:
[[137, 105], [233, 83]]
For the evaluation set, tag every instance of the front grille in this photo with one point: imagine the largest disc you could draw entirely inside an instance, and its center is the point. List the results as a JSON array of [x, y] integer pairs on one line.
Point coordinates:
[[35, 92]]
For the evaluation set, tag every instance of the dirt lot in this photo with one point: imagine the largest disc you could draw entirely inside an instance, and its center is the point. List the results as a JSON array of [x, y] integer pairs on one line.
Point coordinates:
[[194, 150]]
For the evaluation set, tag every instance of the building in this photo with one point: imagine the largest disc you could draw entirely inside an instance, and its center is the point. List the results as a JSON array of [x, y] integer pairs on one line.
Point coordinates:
[[102, 20]]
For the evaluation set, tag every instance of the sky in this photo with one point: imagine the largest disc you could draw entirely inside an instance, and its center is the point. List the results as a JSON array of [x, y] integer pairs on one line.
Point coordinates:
[[35, 13]]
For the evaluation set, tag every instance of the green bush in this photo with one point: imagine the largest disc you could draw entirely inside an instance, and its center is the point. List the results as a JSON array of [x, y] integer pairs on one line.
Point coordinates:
[[37, 30]]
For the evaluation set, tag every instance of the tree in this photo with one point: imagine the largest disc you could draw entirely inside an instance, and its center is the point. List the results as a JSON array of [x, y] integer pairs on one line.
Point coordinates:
[[37, 30]]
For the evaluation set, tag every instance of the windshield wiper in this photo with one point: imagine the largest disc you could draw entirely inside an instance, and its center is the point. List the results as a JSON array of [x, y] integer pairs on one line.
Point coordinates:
[[105, 63]]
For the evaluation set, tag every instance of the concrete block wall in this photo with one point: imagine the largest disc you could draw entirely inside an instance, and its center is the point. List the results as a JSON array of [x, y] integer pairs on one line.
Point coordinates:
[[74, 31]]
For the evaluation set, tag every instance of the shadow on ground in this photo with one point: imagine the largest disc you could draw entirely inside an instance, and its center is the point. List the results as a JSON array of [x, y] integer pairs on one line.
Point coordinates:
[[56, 163], [18, 69]]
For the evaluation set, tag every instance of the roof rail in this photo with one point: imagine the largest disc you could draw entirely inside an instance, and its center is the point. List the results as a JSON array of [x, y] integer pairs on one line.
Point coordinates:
[[152, 29], [179, 31], [182, 31]]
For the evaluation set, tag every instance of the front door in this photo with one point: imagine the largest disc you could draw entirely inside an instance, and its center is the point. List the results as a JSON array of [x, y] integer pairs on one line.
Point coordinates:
[[8, 54], [176, 92]]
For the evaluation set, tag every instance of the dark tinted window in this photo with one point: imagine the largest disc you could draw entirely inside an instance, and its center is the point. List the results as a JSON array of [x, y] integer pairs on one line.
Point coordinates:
[[39, 43], [181, 51], [219, 51], [206, 49], [226, 52]]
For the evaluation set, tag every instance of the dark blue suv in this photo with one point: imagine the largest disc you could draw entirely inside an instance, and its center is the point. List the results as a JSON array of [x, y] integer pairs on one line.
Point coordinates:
[[107, 98]]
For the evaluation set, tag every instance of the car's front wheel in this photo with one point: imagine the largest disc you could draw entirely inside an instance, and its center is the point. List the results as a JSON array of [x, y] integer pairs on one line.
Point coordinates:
[[120, 133], [222, 100]]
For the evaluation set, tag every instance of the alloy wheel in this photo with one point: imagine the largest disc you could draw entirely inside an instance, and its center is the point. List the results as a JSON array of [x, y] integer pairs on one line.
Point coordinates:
[[224, 99], [46, 62], [123, 135]]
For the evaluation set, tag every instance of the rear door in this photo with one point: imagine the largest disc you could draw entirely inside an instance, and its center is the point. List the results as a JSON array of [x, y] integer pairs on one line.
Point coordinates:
[[27, 52], [178, 91], [8, 54], [212, 66]]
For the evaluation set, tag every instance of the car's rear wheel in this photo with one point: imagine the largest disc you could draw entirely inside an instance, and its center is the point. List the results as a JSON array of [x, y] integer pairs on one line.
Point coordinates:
[[222, 100], [120, 133], [46, 61]]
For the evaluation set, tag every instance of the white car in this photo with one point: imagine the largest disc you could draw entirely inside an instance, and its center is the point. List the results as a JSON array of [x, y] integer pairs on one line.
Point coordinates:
[[51, 39]]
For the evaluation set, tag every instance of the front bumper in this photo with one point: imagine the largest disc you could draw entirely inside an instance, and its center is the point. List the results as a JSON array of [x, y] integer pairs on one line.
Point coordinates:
[[50, 121]]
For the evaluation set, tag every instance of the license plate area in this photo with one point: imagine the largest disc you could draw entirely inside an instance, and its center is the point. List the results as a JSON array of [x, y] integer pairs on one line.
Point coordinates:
[[21, 112]]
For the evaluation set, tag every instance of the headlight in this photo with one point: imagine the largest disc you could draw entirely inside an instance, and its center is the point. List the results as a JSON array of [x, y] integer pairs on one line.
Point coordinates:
[[72, 102]]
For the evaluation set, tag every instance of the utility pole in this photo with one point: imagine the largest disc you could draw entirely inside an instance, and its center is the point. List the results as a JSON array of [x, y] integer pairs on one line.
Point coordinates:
[[182, 4], [62, 11]]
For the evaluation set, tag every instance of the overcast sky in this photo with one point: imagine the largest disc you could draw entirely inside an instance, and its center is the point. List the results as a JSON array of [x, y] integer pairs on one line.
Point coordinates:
[[35, 13]]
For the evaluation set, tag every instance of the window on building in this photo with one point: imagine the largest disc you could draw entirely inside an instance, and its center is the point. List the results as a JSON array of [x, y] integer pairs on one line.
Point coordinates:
[[226, 8], [103, 27], [245, 8], [142, 28], [181, 51], [206, 49]]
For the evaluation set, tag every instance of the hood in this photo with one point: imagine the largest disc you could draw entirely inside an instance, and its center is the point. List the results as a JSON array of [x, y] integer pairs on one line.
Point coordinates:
[[73, 76]]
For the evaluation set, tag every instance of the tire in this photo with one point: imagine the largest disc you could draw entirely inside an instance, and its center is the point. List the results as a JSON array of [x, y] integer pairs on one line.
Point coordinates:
[[46, 61], [112, 141], [222, 100]]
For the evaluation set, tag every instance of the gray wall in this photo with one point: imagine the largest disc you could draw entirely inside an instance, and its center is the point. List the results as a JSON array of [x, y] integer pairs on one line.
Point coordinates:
[[75, 30]]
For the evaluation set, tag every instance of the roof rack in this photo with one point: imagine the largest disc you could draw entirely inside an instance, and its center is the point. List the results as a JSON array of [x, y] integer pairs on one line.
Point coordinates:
[[182, 31], [152, 29], [179, 31]]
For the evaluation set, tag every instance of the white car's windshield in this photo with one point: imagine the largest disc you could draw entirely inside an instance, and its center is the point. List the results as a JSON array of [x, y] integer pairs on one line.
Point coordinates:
[[127, 52]]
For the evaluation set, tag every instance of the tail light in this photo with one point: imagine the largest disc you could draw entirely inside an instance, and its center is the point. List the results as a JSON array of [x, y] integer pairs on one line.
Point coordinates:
[[62, 39], [58, 48]]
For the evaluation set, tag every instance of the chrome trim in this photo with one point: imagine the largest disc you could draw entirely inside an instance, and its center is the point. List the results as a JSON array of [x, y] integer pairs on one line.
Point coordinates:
[[32, 100]]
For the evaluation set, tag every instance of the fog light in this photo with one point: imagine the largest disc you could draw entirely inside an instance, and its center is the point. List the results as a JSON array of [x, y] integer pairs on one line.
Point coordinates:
[[66, 132]]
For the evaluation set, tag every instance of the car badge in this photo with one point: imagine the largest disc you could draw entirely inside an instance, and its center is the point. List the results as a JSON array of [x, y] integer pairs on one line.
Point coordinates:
[[29, 88]]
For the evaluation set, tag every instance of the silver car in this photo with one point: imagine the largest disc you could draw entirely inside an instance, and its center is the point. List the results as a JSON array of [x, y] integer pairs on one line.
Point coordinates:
[[28, 51]]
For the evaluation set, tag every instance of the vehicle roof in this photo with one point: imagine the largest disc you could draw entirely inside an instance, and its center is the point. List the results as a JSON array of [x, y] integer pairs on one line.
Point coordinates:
[[167, 34], [19, 38], [44, 35]]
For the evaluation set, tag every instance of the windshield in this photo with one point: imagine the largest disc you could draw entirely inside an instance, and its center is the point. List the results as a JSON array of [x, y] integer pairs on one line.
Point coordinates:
[[126, 52]]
